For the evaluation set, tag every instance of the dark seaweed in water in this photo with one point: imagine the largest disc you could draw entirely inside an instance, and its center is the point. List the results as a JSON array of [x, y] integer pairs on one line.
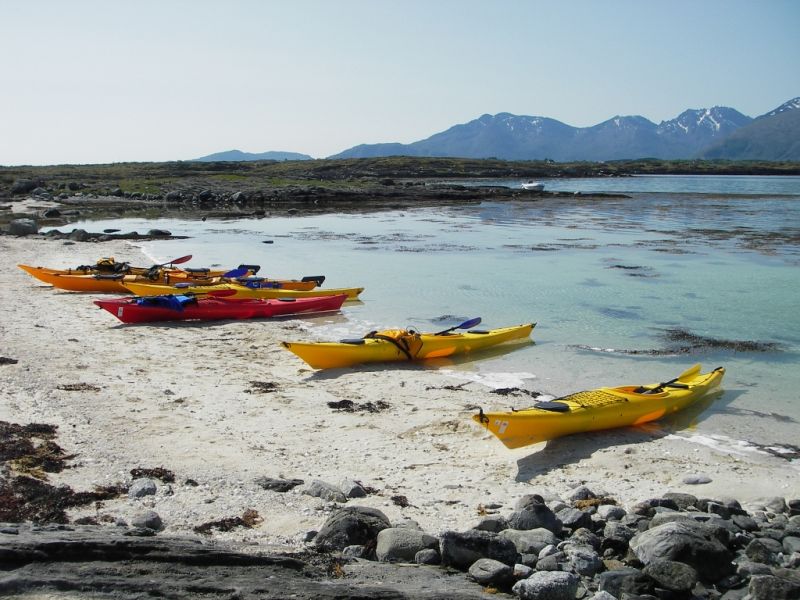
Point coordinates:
[[696, 342], [682, 341]]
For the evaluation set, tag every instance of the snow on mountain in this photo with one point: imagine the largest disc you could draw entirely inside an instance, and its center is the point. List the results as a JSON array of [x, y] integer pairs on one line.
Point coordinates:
[[792, 104]]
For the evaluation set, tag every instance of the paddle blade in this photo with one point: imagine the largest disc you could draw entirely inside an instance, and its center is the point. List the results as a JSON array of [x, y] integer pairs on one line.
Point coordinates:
[[178, 261], [464, 325], [240, 272]]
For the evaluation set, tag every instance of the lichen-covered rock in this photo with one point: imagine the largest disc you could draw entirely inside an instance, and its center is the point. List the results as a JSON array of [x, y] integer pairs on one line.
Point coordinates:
[[534, 517], [672, 575], [326, 491], [142, 487], [23, 227]]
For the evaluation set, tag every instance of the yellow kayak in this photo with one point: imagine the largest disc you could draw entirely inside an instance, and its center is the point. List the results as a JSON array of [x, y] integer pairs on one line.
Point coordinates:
[[401, 345], [603, 408], [242, 291]]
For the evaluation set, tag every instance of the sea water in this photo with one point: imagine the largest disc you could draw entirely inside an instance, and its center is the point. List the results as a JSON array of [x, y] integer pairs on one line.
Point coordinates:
[[606, 280]]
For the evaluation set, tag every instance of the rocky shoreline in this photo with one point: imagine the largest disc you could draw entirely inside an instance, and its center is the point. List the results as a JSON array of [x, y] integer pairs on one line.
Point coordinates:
[[580, 545]]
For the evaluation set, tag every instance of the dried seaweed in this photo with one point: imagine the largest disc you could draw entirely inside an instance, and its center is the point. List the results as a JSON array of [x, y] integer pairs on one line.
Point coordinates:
[[249, 519], [160, 473]]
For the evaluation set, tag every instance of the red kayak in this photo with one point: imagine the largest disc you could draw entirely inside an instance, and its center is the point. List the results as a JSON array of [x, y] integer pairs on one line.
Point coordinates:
[[180, 308]]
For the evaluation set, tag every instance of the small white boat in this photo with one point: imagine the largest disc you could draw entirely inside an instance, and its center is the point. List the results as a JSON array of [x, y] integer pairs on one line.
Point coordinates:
[[533, 186]]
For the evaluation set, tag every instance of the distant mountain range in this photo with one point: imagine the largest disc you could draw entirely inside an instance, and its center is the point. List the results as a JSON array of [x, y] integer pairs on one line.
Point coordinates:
[[715, 133], [238, 155]]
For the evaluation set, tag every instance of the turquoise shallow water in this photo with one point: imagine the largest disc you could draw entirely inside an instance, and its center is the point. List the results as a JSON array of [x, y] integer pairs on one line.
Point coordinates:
[[601, 278]]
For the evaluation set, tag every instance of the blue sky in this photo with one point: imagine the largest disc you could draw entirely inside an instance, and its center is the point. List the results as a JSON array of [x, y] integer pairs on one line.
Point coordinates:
[[109, 81]]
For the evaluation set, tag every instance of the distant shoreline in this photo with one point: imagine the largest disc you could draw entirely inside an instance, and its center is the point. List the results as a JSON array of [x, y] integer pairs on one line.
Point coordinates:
[[65, 193]]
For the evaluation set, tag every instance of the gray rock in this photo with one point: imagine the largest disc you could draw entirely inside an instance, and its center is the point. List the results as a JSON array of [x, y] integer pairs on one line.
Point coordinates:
[[277, 485], [585, 537], [521, 571], [548, 550], [530, 541], [764, 550], [148, 520], [775, 504], [692, 543], [672, 575], [547, 586], [627, 580], [402, 545], [579, 493], [770, 587], [159, 233], [493, 523], [407, 524], [427, 557], [791, 544], [747, 568], [353, 489], [23, 186], [683, 501], [610, 512], [572, 518], [142, 487], [353, 552], [744, 522], [78, 235], [696, 479], [616, 537], [487, 571], [173, 196], [23, 227], [551, 562], [602, 595], [528, 500], [461, 549], [584, 560], [326, 491], [351, 525], [534, 517], [41, 192]]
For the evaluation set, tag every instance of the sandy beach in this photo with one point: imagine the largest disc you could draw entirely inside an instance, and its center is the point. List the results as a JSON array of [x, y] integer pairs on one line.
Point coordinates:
[[183, 397]]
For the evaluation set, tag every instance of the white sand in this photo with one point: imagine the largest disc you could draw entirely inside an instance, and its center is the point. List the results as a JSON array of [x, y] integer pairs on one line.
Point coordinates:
[[175, 396]]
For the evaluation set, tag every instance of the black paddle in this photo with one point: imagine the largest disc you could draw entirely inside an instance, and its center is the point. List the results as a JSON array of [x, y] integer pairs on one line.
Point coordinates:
[[671, 383], [464, 325]]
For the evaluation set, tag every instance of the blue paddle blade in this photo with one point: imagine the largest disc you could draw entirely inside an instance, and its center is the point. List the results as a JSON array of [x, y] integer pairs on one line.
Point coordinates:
[[241, 271], [464, 325]]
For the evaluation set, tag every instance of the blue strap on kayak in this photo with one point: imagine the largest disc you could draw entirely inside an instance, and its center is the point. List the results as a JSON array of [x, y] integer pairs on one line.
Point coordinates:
[[169, 301]]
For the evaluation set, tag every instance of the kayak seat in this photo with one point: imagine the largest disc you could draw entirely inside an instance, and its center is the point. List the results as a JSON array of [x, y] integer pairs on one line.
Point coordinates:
[[552, 406], [478, 331], [354, 341], [197, 271], [109, 277]]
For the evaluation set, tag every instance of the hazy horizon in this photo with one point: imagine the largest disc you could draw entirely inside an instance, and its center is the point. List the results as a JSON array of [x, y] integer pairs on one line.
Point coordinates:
[[97, 82]]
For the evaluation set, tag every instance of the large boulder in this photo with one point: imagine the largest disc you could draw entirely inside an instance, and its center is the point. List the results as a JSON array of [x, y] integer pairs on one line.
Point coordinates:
[[692, 543], [23, 227], [461, 549], [23, 186], [402, 544], [349, 526]]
